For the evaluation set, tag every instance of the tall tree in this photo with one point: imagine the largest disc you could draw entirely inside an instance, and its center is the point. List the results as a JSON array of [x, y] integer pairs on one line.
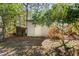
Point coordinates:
[[9, 12]]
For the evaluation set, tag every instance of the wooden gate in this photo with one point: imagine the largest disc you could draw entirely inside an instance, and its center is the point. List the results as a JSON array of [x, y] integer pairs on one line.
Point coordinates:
[[20, 31]]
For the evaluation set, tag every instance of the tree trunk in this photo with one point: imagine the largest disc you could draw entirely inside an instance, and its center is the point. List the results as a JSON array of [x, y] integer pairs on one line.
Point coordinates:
[[26, 5], [3, 28]]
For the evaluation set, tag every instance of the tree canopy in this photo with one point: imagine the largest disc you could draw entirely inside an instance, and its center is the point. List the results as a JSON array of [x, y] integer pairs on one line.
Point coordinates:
[[68, 13], [9, 13]]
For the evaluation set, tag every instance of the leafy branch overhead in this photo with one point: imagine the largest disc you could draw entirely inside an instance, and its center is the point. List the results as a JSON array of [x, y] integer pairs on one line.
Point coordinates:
[[68, 13], [9, 13]]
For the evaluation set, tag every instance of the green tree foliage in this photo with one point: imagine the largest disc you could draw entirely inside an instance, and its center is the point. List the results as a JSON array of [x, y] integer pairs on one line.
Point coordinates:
[[68, 13], [59, 11], [47, 16], [9, 13], [10, 9], [42, 14]]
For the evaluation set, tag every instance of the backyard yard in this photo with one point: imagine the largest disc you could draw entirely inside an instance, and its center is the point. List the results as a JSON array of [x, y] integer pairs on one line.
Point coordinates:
[[39, 29], [32, 46]]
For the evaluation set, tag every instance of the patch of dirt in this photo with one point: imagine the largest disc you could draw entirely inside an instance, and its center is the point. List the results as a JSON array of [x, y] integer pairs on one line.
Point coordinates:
[[29, 46]]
